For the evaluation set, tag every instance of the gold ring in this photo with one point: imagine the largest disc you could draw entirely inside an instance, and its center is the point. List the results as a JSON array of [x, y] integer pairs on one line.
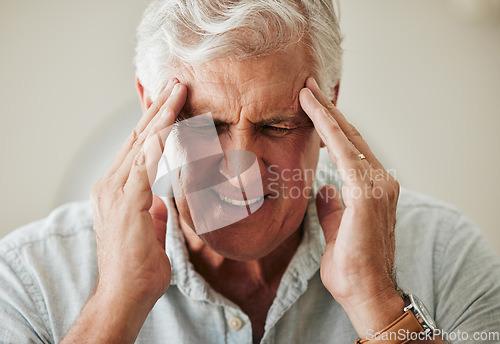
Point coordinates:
[[361, 156]]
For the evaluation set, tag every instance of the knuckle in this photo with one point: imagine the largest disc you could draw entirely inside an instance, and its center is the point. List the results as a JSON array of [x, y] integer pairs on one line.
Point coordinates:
[[139, 162], [134, 135], [105, 193], [330, 106], [168, 112], [352, 131], [335, 127], [352, 152], [140, 140], [396, 185], [115, 196], [392, 185], [96, 190]]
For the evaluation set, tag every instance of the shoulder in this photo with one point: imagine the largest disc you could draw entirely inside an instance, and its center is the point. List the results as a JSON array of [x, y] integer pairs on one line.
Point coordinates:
[[48, 269], [443, 257], [437, 225], [421, 209], [425, 224], [61, 246], [409, 199], [54, 246], [436, 239], [65, 222]]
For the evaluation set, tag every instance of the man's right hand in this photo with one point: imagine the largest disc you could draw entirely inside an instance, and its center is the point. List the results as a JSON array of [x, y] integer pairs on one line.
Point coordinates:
[[130, 227]]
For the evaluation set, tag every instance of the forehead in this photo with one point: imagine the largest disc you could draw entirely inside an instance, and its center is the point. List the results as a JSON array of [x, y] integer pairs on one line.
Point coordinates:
[[253, 88]]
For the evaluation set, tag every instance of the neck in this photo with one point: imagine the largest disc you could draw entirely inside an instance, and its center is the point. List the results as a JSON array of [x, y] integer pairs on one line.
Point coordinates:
[[242, 280]]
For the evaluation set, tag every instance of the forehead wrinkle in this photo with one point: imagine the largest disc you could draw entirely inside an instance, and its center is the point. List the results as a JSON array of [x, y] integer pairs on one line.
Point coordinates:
[[257, 100], [285, 91], [257, 109], [203, 100], [268, 107], [251, 89]]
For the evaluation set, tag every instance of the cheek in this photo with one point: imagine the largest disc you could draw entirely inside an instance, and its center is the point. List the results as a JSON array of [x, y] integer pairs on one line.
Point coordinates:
[[295, 151], [183, 209], [191, 184], [291, 167]]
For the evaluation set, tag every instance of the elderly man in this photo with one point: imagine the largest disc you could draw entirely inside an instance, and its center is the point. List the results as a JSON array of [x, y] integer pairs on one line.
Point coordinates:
[[325, 265]]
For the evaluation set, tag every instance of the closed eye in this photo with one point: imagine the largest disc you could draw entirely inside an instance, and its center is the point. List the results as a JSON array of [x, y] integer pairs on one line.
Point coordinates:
[[277, 131]]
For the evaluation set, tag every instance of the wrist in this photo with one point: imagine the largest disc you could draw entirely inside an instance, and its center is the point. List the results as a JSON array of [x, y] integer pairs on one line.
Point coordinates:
[[374, 313], [125, 302], [140, 298], [121, 316], [108, 319]]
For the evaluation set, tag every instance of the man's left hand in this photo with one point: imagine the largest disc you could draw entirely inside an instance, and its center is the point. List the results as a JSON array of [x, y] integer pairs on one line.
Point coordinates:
[[357, 265]]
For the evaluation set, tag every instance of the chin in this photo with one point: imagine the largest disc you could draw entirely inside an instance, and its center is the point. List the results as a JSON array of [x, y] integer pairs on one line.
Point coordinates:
[[253, 237], [245, 240]]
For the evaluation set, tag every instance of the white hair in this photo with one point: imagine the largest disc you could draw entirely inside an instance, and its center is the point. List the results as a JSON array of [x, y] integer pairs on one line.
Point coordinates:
[[174, 32]]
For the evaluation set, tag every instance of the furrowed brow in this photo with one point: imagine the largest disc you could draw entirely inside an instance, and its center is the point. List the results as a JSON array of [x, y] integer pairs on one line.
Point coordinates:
[[290, 118], [184, 114], [295, 118]]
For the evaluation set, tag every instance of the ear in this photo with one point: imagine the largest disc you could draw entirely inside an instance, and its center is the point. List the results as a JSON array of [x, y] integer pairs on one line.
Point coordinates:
[[335, 97], [335, 93], [144, 95]]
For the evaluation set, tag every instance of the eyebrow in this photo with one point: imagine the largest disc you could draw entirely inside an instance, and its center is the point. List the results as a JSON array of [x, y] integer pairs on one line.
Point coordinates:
[[280, 118]]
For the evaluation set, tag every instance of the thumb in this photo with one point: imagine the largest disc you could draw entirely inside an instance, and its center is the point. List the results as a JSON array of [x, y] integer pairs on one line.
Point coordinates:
[[159, 215], [330, 211]]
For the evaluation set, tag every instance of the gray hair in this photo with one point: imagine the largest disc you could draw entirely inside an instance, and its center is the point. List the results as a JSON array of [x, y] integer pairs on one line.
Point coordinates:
[[174, 32]]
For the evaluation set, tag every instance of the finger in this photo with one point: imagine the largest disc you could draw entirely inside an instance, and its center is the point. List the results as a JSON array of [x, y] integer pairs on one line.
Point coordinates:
[[342, 151], [137, 190], [153, 147], [350, 131], [142, 125], [159, 214], [330, 211], [166, 118]]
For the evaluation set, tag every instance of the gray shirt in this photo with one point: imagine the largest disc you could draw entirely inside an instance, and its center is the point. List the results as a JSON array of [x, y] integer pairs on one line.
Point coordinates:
[[48, 270]]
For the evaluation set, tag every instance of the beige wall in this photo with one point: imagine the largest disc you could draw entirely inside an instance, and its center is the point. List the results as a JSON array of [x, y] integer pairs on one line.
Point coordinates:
[[421, 82], [65, 68]]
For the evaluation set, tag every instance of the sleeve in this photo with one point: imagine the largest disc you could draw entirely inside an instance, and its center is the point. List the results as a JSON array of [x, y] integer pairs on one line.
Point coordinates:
[[467, 292], [21, 304]]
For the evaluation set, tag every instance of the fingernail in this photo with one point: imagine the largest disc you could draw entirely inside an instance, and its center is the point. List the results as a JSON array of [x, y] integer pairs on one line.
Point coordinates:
[[314, 82], [310, 92], [176, 89], [170, 83]]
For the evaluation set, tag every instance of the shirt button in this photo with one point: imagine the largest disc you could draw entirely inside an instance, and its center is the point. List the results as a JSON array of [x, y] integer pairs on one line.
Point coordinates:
[[235, 323]]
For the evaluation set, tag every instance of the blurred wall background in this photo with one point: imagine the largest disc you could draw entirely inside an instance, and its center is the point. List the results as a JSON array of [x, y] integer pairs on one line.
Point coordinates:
[[421, 82]]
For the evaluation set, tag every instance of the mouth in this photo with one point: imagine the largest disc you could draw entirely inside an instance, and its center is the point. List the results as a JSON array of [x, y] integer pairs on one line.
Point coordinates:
[[239, 203]]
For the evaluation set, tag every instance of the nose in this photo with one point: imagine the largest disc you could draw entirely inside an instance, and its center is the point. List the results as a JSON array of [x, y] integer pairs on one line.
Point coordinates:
[[241, 168], [241, 163]]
